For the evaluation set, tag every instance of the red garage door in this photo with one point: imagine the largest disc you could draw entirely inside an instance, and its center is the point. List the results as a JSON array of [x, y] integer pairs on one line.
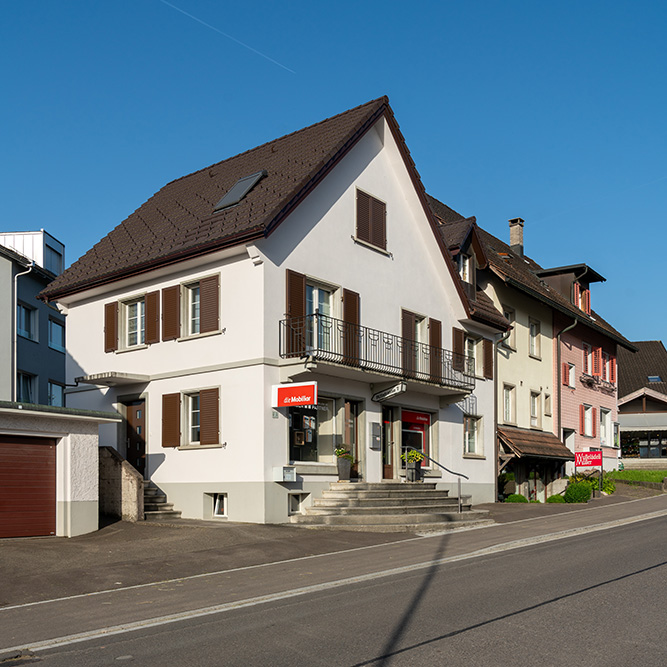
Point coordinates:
[[27, 486]]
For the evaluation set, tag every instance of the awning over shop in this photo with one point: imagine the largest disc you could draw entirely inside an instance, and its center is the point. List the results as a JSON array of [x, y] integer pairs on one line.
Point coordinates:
[[524, 443]]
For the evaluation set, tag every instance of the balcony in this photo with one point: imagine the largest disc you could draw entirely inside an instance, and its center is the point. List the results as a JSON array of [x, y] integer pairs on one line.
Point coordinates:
[[326, 339]]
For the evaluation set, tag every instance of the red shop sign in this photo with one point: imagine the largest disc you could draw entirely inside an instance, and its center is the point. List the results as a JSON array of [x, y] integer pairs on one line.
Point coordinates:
[[587, 459], [415, 417], [297, 393]]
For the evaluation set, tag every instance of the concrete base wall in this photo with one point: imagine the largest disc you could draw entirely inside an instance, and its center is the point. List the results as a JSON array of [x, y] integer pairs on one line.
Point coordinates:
[[481, 493], [121, 487], [644, 464], [251, 502], [76, 517]]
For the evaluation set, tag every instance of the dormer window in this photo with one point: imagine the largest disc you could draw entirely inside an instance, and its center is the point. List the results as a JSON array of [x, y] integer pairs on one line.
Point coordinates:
[[465, 268], [581, 297]]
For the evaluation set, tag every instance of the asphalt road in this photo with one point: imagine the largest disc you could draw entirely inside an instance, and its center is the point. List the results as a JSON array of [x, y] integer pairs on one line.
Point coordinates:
[[591, 599]]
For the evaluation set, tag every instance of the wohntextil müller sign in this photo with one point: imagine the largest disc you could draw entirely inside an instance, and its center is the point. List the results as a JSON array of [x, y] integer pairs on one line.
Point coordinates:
[[587, 459], [297, 393]]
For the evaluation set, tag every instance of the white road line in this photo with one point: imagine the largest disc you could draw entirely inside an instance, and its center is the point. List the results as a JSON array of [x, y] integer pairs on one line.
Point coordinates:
[[263, 599]]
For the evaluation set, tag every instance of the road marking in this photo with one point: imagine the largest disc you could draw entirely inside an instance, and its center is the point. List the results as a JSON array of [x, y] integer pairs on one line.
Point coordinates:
[[316, 588], [420, 536]]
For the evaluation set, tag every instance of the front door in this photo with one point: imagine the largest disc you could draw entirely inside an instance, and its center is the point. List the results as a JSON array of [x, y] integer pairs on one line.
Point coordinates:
[[135, 414], [387, 443], [351, 434]]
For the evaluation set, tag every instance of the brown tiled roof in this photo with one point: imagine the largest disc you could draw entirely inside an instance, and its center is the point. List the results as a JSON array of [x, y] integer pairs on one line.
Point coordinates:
[[179, 221], [537, 444], [444, 212], [634, 368], [519, 271], [456, 233]]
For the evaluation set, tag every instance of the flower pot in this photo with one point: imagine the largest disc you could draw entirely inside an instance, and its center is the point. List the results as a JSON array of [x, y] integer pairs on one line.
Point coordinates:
[[344, 467], [413, 471]]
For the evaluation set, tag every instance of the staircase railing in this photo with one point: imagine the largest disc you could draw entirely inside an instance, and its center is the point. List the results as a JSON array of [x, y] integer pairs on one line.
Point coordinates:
[[451, 472]]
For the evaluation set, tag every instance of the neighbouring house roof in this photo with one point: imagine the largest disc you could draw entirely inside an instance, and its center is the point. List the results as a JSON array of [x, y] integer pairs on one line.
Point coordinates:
[[640, 393], [522, 272], [525, 443], [634, 369], [580, 270], [11, 407]]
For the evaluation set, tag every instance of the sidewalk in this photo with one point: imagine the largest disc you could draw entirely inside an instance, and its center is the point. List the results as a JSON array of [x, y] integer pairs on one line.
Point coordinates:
[[127, 554]]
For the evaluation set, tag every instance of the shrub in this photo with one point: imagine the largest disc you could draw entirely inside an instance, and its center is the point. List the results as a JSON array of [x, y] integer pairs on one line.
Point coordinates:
[[535, 501], [608, 485], [516, 498], [556, 499], [577, 492]]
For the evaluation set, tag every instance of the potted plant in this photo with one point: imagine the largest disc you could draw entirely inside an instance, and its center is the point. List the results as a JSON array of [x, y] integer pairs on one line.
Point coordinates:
[[413, 465], [344, 461]]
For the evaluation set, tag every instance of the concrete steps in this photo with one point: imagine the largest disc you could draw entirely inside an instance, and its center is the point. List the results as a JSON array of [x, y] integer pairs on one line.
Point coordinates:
[[388, 507], [156, 507]]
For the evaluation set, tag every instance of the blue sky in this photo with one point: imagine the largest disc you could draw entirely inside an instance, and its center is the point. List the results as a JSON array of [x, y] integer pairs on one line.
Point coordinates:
[[554, 112]]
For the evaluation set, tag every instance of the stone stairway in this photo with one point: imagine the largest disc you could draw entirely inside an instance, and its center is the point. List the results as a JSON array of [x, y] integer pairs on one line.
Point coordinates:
[[388, 507], [156, 507]]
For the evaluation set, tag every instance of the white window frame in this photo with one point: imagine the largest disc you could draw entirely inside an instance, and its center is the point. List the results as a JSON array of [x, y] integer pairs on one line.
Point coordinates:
[[220, 505], [535, 409], [465, 267], [606, 366], [587, 349], [471, 349], [472, 440], [606, 428], [191, 293], [588, 420], [50, 394], [509, 404], [53, 344], [320, 337], [26, 314], [128, 318], [534, 336], [192, 418], [547, 405], [571, 374]]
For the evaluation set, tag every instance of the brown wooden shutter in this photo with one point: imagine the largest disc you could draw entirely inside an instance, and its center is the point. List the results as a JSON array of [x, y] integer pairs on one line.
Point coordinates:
[[565, 379], [111, 326], [594, 420], [585, 364], [612, 370], [171, 312], [209, 299], [209, 416], [363, 216], [582, 419], [295, 312], [435, 343], [378, 223], [458, 343], [351, 317], [409, 351], [171, 420], [153, 317], [576, 294], [488, 359], [597, 362]]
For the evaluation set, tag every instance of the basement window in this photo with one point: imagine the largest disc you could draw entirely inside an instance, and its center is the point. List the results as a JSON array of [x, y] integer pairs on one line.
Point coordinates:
[[240, 189]]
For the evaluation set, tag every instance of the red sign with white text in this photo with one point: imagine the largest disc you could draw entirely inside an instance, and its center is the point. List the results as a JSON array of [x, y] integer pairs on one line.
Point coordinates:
[[586, 459], [298, 393]]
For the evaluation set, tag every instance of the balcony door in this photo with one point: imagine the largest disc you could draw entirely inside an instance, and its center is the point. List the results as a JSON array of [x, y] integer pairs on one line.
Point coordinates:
[[319, 301]]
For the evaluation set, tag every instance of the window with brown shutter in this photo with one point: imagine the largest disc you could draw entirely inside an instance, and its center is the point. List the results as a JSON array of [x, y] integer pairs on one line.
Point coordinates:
[[171, 312], [435, 344], [458, 354], [153, 317], [171, 420], [111, 326], [371, 220], [209, 294], [409, 342], [209, 406], [488, 359], [351, 317], [295, 312]]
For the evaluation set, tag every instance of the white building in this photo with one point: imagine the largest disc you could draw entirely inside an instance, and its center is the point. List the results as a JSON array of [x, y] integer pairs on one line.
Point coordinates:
[[313, 258]]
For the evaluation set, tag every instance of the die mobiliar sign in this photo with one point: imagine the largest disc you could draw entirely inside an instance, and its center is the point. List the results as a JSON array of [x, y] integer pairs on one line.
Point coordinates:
[[297, 393], [587, 459]]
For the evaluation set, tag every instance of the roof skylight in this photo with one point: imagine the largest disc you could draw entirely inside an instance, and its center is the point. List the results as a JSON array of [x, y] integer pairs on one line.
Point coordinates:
[[654, 378], [240, 189]]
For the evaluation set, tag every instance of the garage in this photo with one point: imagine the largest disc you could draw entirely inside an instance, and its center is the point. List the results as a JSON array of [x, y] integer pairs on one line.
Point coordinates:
[[27, 486]]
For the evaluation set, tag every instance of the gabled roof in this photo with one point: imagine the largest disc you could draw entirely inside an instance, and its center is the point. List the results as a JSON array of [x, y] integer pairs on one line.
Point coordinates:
[[635, 369], [524, 442], [180, 220], [521, 272], [579, 270]]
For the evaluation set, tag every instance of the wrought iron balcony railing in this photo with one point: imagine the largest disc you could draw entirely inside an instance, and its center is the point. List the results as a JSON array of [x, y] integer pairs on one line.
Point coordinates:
[[325, 338]]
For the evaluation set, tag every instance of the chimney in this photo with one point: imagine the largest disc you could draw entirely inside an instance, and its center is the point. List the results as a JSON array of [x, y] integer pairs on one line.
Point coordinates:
[[516, 235]]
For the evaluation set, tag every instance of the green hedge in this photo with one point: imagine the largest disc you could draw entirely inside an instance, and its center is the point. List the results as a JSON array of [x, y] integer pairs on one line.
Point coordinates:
[[556, 499], [577, 492], [516, 498]]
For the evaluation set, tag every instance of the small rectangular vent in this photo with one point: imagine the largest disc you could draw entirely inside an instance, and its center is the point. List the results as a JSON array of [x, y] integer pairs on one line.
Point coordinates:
[[240, 189]]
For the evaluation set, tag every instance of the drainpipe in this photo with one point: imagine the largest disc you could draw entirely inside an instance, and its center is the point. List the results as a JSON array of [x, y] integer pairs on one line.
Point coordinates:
[[16, 327], [503, 337], [558, 372]]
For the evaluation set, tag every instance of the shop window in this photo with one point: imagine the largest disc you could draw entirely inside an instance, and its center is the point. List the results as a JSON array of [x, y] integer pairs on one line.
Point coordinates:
[[472, 442], [415, 432], [312, 432]]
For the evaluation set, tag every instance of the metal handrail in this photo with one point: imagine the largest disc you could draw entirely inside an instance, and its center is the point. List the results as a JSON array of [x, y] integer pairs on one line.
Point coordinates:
[[458, 474]]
